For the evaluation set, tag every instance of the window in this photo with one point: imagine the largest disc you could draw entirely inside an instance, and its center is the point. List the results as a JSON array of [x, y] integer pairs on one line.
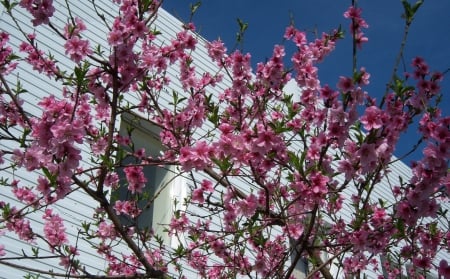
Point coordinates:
[[163, 184]]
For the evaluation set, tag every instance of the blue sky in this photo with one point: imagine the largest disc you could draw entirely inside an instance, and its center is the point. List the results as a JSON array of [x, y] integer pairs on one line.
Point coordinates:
[[429, 36]]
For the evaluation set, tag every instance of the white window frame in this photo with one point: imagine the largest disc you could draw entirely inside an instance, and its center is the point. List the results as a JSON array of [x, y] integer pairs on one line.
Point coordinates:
[[164, 182]]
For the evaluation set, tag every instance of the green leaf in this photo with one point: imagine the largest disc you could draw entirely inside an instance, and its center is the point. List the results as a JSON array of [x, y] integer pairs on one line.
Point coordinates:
[[242, 27], [8, 5], [179, 251], [176, 99], [214, 115], [433, 228], [35, 251], [417, 6], [194, 7], [224, 165], [400, 225], [51, 177], [156, 32], [80, 73], [294, 160], [145, 4], [23, 139], [19, 88], [85, 226], [6, 210], [410, 11]]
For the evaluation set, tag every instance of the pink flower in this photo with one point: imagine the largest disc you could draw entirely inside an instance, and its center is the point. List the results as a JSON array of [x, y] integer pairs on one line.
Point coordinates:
[[54, 230], [444, 269], [318, 184], [346, 167], [368, 156], [298, 37], [345, 84], [135, 177], [41, 10], [207, 186], [127, 207], [248, 206], [372, 118], [24, 194], [21, 227], [38, 59], [77, 49], [357, 24], [197, 157], [217, 51], [74, 30], [6, 66], [106, 231], [178, 224], [197, 196]]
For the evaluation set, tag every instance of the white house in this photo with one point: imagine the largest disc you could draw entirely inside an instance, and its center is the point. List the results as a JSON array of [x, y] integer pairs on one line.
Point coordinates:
[[169, 186]]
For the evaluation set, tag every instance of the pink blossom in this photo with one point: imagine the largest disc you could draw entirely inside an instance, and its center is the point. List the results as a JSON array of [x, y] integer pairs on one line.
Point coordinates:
[[367, 156], [112, 180], [74, 30], [197, 196], [248, 206], [135, 178], [6, 51], [77, 48], [106, 231], [444, 269], [347, 168], [178, 224], [207, 186], [127, 207], [25, 194], [41, 10], [319, 183], [195, 157], [345, 84], [21, 227], [217, 51], [372, 118], [357, 24], [54, 230]]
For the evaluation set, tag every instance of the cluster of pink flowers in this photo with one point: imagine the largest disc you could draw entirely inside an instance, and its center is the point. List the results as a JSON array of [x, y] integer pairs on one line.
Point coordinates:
[[41, 10], [16, 223], [54, 230], [37, 58], [196, 157], [76, 48], [25, 194], [357, 24], [135, 178], [6, 65], [106, 231], [129, 208], [55, 137]]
